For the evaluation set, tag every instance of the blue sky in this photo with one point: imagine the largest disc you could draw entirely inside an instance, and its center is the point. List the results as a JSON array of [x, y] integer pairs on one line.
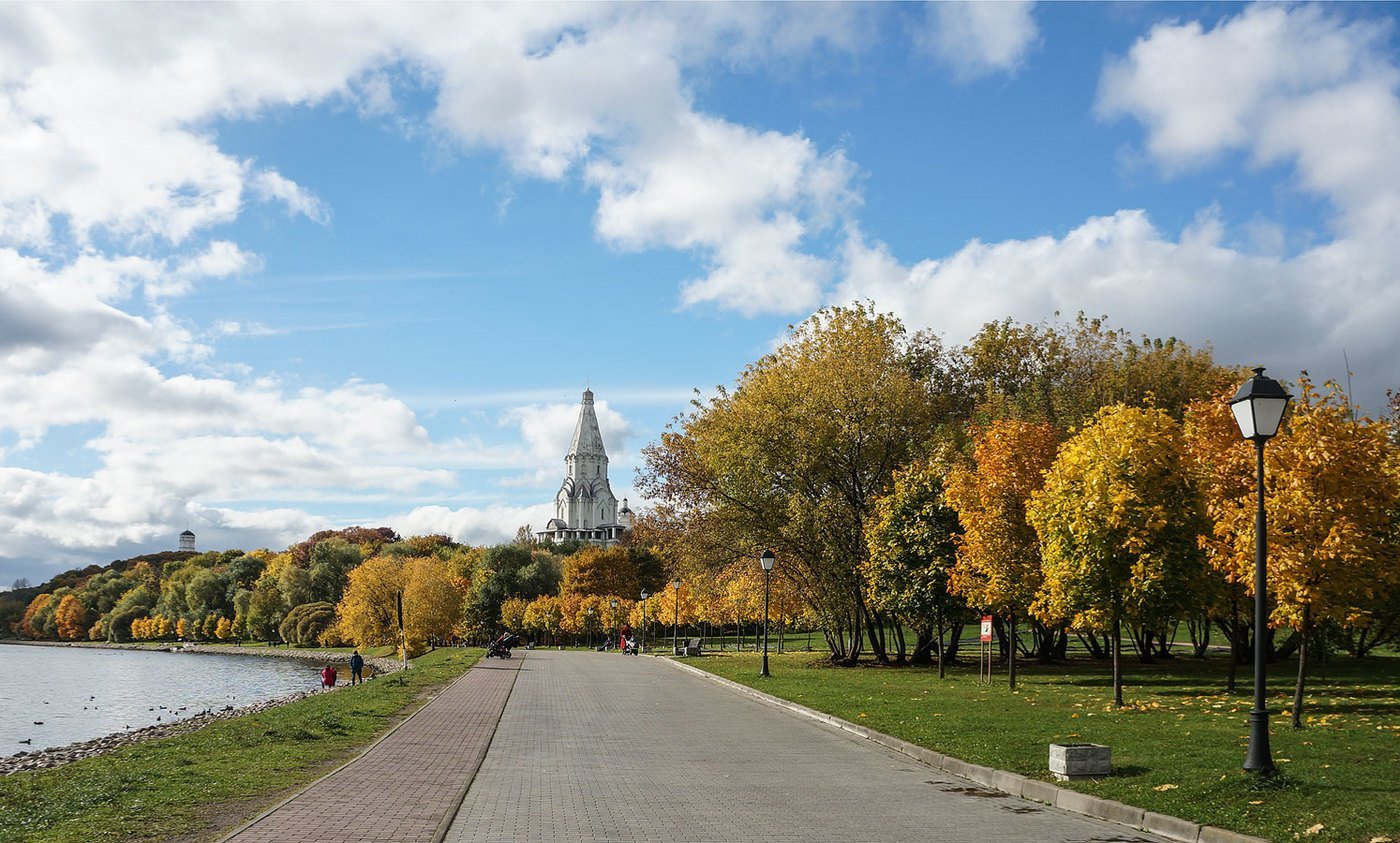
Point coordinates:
[[270, 269]]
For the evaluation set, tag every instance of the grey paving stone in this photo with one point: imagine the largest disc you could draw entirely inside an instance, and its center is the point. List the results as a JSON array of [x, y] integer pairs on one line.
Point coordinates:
[[404, 786], [603, 747]]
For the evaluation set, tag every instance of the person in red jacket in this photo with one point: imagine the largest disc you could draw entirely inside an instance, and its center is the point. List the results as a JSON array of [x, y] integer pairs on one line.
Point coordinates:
[[327, 677]]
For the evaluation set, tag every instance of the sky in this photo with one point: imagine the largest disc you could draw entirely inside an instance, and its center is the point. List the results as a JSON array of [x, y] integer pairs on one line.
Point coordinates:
[[268, 269]]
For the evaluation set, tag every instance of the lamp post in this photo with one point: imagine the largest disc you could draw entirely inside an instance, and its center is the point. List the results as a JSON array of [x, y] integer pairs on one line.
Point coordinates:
[[676, 622], [613, 616], [589, 621], [1258, 407], [766, 560], [642, 644]]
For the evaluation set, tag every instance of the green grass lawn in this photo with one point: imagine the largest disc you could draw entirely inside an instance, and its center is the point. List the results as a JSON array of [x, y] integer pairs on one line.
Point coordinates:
[[1177, 746], [197, 785]]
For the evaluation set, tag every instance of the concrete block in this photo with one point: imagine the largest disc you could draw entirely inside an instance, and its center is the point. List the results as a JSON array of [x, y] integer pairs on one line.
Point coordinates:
[[931, 758], [1009, 783], [1211, 834], [1174, 827], [1080, 760], [1039, 791]]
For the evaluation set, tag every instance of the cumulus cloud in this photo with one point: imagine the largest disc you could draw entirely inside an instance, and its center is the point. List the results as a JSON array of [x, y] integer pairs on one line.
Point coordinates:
[[1284, 85], [978, 38]]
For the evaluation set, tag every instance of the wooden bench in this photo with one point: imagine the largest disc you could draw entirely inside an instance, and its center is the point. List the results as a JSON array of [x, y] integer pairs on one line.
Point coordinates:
[[691, 647]]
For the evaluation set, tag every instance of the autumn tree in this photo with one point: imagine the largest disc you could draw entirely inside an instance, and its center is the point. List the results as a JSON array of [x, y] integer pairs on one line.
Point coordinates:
[[432, 604], [368, 613], [912, 539], [513, 613], [793, 457], [1118, 520], [1330, 495], [70, 618], [998, 556]]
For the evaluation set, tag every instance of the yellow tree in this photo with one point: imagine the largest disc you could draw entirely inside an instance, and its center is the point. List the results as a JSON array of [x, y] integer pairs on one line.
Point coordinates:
[[1118, 520], [368, 611], [998, 558], [1223, 465], [224, 630], [70, 618], [432, 603], [543, 614], [513, 613], [1330, 495], [793, 457], [912, 538]]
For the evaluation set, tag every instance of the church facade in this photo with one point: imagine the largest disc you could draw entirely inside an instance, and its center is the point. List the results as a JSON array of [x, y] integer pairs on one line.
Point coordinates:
[[585, 507]]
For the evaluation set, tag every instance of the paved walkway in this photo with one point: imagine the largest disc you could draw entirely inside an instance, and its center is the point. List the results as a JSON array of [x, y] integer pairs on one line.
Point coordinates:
[[405, 788], [603, 747]]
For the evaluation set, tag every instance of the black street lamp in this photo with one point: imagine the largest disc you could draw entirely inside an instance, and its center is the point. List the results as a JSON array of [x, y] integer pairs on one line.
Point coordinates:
[[642, 644], [613, 616], [766, 560], [1258, 408], [676, 623], [589, 623]]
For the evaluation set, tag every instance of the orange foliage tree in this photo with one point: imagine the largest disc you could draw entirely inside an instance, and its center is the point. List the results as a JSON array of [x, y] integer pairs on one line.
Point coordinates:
[[70, 618], [998, 556]]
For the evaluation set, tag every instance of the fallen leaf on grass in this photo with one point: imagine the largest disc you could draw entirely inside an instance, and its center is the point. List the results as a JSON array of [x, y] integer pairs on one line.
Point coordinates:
[[1256, 801], [1315, 829], [1381, 839], [1165, 787]]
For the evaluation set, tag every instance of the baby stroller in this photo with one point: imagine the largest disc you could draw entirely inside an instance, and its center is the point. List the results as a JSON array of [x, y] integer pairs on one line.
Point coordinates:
[[500, 648], [629, 646]]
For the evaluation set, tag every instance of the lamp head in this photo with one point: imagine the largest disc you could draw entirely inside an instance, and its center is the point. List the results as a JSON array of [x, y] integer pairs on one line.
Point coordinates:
[[767, 560], [1259, 405]]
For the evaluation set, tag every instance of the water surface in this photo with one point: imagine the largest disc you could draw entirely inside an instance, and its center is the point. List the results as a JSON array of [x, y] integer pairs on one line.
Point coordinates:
[[57, 695]]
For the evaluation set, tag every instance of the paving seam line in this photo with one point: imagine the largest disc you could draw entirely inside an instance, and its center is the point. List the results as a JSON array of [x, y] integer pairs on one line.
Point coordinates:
[[445, 824], [1072, 801], [361, 754]]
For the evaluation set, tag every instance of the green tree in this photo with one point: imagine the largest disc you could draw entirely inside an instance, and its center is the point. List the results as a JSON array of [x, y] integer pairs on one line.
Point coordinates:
[[912, 539]]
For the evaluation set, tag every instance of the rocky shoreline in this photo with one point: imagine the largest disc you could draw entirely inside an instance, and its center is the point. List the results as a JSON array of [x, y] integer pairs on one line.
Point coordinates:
[[56, 756]]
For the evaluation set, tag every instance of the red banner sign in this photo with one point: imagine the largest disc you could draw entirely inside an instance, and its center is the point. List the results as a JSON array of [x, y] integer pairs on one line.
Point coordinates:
[[986, 627]]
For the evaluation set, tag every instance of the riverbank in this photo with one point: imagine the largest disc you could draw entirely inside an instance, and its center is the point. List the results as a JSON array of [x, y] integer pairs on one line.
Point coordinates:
[[197, 786], [55, 756]]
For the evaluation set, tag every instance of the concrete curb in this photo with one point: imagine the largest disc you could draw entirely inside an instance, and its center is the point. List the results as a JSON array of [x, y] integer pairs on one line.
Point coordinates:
[[1013, 784]]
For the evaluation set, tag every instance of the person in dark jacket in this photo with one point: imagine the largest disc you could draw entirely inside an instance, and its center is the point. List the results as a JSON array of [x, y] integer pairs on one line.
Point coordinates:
[[357, 668]]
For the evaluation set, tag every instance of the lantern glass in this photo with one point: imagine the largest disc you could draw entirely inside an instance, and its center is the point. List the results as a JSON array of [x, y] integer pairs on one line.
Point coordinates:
[[766, 560]]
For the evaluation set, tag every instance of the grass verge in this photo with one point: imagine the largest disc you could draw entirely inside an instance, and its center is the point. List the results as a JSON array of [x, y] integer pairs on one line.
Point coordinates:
[[199, 785], [1177, 746]]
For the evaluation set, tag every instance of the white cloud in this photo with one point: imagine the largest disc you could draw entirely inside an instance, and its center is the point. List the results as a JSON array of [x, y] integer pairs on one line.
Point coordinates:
[[978, 38]]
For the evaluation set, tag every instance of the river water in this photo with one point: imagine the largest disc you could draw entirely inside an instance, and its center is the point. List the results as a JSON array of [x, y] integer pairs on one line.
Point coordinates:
[[53, 696]]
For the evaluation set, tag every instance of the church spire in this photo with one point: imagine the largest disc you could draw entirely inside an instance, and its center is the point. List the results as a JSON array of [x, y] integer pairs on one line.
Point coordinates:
[[588, 439]]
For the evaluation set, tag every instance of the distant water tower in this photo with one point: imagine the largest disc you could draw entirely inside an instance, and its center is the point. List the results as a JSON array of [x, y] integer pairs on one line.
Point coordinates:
[[187, 541]]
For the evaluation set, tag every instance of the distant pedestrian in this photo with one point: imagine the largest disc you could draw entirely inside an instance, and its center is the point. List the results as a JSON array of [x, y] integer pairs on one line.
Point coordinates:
[[327, 677], [357, 668]]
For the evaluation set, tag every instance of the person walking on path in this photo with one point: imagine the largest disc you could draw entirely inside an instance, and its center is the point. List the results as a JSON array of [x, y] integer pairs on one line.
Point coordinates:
[[327, 677], [357, 668]]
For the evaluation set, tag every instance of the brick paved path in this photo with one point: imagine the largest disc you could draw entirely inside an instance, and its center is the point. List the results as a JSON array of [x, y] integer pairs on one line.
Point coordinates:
[[406, 786], [601, 746]]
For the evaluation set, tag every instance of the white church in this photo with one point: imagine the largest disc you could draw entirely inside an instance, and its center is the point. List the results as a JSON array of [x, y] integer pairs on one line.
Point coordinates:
[[585, 507]]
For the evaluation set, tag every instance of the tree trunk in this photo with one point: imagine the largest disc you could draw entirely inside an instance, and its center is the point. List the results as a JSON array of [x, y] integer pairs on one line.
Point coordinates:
[[1011, 650], [1117, 658], [1302, 667], [950, 655], [938, 626], [923, 646]]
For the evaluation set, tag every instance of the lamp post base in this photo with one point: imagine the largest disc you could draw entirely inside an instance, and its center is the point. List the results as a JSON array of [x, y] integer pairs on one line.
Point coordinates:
[[1259, 759]]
